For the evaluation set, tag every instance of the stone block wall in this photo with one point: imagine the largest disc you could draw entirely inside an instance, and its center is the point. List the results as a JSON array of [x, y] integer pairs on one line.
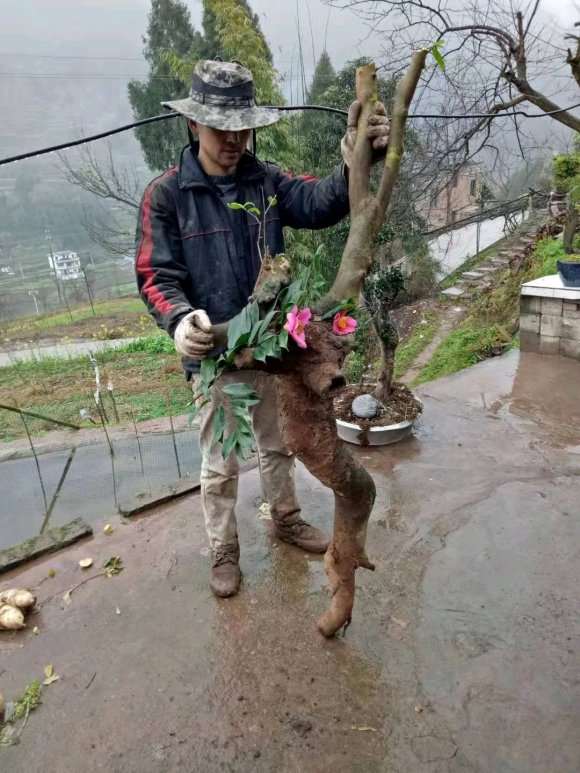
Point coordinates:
[[550, 325]]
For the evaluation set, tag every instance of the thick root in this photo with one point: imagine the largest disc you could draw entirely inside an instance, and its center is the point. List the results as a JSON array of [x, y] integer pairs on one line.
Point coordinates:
[[340, 571]]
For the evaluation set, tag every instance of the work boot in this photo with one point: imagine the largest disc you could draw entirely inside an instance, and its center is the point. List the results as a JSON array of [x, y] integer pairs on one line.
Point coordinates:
[[302, 535], [225, 571]]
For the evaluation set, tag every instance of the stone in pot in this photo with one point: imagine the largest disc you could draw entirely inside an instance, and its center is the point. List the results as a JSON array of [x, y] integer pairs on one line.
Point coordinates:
[[365, 407]]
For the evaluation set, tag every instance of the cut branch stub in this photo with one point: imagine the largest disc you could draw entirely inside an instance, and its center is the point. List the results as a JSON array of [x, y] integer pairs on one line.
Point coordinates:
[[368, 212]]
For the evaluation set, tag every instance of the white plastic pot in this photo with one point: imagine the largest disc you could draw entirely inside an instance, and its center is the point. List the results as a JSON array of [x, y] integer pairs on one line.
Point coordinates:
[[375, 436]]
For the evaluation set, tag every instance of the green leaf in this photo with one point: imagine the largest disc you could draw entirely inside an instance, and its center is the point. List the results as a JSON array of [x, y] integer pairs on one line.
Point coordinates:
[[248, 402], [348, 306], [229, 445], [272, 201], [249, 206], [236, 205], [219, 425], [240, 327], [268, 348], [260, 330], [331, 312], [437, 55], [283, 339], [239, 390], [196, 408], [255, 332], [291, 296], [208, 371]]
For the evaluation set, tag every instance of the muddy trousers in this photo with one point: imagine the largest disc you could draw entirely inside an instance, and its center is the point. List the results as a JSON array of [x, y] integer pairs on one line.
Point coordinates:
[[219, 476]]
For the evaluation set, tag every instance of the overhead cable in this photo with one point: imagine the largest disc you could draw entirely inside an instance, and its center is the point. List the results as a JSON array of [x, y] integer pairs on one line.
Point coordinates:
[[283, 108]]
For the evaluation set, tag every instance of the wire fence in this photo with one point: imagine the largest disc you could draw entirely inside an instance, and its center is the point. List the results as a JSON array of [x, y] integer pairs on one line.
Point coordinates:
[[94, 475]]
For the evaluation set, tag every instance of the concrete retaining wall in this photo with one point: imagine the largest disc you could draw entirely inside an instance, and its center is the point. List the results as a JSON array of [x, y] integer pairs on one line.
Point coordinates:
[[550, 318]]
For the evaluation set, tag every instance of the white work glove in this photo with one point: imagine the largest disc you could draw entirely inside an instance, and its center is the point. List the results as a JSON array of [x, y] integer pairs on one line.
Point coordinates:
[[193, 336], [377, 132]]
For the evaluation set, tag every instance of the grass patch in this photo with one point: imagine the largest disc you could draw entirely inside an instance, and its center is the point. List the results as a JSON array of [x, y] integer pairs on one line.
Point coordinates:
[[493, 321], [147, 380], [420, 338], [465, 346], [153, 344]]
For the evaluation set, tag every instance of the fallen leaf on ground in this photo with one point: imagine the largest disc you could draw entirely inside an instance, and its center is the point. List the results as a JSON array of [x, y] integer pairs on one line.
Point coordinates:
[[36, 630], [67, 598], [364, 729], [108, 529], [264, 512], [85, 563], [52, 572], [398, 621], [113, 566], [117, 611], [50, 675]]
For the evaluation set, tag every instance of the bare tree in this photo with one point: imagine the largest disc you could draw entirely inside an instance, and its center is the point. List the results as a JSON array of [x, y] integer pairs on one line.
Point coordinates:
[[119, 190], [498, 35], [499, 61]]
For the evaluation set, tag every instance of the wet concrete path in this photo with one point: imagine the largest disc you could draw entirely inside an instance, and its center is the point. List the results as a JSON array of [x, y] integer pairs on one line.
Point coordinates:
[[60, 349], [86, 481], [464, 650]]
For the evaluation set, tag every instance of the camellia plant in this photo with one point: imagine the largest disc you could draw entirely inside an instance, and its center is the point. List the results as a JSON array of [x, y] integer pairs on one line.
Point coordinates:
[[306, 348], [269, 330]]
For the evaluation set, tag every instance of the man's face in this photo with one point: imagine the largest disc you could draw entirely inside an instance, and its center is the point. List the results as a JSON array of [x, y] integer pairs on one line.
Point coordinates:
[[223, 149]]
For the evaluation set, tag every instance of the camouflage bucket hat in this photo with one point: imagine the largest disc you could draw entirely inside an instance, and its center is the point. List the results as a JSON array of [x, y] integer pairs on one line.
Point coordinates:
[[222, 96]]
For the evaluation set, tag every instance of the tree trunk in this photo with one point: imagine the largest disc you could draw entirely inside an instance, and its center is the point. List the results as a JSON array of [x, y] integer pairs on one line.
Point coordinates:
[[389, 340], [570, 228]]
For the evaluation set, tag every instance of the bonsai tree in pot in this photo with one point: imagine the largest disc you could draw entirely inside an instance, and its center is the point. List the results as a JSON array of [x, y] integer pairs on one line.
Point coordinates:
[[378, 411]]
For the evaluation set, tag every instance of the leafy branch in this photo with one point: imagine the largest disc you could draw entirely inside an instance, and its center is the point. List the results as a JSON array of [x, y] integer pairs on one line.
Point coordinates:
[[260, 329], [252, 210]]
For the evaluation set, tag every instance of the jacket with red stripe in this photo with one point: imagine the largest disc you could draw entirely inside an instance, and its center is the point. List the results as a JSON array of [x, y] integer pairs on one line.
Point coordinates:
[[186, 256]]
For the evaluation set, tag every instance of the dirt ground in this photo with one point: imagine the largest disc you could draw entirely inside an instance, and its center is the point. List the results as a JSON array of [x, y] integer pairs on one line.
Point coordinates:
[[462, 655], [408, 317]]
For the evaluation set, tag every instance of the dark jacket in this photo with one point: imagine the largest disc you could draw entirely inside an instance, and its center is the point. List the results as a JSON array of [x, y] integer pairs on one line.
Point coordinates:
[[186, 257]]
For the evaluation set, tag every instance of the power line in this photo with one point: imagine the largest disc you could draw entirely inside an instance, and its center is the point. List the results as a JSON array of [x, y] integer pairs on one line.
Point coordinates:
[[283, 108], [67, 56], [87, 76]]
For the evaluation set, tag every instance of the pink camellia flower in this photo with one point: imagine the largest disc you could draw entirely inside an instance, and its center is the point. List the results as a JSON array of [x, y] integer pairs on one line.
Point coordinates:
[[296, 321], [343, 325]]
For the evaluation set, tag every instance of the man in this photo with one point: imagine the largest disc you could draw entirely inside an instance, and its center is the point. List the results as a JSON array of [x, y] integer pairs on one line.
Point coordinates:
[[197, 261]]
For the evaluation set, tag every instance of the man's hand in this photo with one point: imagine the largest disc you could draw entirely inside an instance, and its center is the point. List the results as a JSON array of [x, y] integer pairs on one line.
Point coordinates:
[[193, 335], [377, 132]]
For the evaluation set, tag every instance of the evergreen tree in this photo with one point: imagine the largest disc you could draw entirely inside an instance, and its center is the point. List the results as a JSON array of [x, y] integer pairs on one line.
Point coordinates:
[[324, 76], [233, 32], [169, 32], [213, 43]]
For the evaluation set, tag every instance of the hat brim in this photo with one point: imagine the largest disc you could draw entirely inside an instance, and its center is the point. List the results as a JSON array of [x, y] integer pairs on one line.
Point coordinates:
[[233, 119]]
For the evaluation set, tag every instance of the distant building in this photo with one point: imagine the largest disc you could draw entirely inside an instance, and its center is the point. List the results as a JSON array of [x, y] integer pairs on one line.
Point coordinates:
[[65, 265], [459, 199]]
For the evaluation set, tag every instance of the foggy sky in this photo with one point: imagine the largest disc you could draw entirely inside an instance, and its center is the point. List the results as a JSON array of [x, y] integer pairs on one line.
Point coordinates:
[[110, 30]]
